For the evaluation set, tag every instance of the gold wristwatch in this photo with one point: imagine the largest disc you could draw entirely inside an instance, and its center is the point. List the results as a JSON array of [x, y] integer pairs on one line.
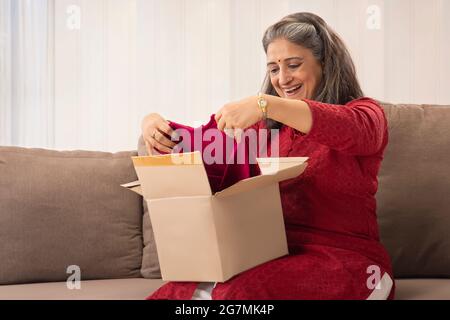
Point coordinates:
[[262, 103]]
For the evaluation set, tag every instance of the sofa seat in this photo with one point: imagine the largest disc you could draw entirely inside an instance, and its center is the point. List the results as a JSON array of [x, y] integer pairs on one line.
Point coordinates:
[[114, 289], [139, 289], [422, 289]]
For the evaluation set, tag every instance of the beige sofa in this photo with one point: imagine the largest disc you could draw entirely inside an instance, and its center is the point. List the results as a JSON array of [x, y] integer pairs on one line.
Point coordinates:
[[62, 209]]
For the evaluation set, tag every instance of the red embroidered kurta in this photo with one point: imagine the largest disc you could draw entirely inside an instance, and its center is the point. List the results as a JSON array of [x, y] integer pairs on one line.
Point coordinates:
[[329, 213]]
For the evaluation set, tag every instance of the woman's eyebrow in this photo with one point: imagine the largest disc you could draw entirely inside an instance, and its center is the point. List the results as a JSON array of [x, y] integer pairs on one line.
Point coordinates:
[[287, 59]]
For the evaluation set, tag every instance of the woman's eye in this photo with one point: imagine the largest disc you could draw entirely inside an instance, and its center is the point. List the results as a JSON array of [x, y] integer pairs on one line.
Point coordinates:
[[273, 71], [294, 66]]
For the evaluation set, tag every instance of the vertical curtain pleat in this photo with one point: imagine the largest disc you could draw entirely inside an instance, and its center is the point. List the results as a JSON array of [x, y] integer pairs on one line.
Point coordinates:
[[30, 78], [5, 73]]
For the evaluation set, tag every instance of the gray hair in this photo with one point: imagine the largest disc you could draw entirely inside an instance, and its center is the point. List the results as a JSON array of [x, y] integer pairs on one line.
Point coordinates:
[[339, 83]]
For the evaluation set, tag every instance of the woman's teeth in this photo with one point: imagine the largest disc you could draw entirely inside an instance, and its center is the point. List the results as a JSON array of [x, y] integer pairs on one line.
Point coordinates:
[[293, 90]]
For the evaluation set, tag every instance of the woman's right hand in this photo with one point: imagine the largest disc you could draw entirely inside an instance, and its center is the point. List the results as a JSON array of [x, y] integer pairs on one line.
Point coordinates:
[[156, 133]]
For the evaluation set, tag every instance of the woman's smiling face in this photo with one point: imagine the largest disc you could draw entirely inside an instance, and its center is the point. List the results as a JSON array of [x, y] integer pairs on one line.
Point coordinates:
[[294, 72]]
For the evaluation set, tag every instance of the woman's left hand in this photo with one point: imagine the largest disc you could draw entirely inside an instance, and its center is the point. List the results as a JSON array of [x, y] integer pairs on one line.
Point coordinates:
[[234, 117]]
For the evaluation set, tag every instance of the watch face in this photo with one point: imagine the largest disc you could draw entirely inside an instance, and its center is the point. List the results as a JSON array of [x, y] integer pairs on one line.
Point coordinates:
[[263, 103]]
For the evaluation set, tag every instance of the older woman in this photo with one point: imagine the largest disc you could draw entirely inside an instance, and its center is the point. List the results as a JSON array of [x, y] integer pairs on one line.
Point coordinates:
[[313, 97]]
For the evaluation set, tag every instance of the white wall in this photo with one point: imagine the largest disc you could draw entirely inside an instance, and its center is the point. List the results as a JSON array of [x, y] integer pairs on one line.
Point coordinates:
[[185, 58]]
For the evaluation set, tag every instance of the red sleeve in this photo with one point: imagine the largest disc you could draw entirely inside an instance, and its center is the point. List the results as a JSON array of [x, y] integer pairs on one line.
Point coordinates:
[[357, 128]]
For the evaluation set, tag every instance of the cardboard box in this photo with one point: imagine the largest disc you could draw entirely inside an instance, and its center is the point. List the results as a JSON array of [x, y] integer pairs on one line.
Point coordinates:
[[208, 237]]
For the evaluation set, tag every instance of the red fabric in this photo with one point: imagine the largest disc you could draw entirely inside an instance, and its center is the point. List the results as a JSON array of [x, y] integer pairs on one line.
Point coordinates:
[[229, 170], [329, 212]]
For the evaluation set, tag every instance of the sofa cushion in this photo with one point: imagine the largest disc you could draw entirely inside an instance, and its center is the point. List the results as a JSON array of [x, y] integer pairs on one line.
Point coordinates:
[[413, 196], [117, 289], [150, 263], [422, 289], [59, 209]]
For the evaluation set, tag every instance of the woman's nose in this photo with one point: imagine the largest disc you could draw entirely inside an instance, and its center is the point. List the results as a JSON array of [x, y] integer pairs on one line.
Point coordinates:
[[285, 77]]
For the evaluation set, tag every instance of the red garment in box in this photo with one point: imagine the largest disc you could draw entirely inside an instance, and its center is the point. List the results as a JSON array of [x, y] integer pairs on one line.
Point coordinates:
[[329, 213], [227, 170]]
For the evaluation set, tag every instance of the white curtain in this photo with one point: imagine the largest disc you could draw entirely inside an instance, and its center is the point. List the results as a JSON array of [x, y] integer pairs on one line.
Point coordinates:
[[5, 73], [26, 109], [81, 74]]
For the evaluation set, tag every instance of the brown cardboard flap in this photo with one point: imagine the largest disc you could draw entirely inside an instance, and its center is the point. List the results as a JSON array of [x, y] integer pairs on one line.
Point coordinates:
[[134, 186], [273, 165], [172, 175], [292, 169], [172, 159]]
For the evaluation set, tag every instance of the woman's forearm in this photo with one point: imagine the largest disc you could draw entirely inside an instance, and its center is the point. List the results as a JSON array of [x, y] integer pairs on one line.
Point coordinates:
[[293, 113]]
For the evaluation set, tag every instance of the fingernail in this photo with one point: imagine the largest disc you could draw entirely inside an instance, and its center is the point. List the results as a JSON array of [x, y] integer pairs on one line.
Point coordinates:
[[175, 136]]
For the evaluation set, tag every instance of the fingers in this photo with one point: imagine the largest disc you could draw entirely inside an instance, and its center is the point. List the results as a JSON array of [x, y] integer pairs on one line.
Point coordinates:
[[164, 127], [148, 148], [160, 147], [217, 116], [238, 135], [159, 141], [163, 139], [221, 124], [158, 134], [231, 132]]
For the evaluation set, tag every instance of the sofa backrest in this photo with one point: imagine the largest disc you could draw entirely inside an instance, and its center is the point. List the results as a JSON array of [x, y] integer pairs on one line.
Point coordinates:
[[413, 197], [64, 213]]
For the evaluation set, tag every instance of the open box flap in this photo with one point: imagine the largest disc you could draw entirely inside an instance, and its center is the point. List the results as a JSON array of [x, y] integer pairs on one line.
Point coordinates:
[[273, 170], [134, 186], [273, 165], [172, 175]]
